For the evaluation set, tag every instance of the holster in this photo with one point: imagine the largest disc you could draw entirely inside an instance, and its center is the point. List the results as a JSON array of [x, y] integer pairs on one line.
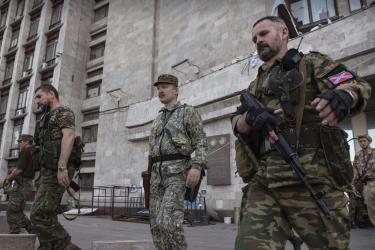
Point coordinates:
[[192, 193], [336, 151], [146, 177]]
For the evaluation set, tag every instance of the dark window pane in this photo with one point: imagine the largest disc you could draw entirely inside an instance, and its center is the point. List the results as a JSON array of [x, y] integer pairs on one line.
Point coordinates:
[[97, 51], [92, 115], [56, 14], [300, 11], [95, 73], [322, 9], [89, 134], [101, 13], [87, 180], [93, 90], [34, 27]]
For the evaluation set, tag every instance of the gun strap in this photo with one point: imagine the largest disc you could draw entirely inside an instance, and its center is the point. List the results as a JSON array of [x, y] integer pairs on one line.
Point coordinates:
[[301, 101]]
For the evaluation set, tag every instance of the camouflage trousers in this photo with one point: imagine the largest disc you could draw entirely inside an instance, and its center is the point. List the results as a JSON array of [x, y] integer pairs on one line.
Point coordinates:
[[17, 220], [369, 197], [51, 234], [167, 210], [268, 216]]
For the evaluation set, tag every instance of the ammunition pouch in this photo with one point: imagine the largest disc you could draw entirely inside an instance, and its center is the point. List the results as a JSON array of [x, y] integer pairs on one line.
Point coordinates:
[[336, 151], [246, 162], [50, 153], [309, 137]]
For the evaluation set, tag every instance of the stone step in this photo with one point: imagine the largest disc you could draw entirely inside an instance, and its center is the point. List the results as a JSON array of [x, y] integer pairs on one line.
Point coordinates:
[[17, 241], [123, 245]]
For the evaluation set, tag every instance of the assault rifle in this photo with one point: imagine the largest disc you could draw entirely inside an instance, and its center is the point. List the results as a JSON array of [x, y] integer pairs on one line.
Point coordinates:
[[281, 145]]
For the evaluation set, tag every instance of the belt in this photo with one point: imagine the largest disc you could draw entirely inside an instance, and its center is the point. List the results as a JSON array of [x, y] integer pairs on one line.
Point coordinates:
[[170, 157], [309, 137]]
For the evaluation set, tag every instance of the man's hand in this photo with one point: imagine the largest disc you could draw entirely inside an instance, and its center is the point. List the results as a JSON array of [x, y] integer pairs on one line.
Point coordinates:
[[262, 119], [333, 106], [63, 178], [193, 177]]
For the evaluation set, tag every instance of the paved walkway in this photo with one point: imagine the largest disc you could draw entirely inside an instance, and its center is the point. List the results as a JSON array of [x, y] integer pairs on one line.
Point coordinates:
[[221, 236]]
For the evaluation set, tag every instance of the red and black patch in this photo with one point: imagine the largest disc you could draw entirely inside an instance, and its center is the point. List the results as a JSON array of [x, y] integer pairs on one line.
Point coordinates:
[[341, 77]]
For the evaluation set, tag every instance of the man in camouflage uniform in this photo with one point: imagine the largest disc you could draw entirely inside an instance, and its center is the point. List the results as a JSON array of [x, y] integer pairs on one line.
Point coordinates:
[[21, 178], [176, 133], [275, 201], [56, 137], [364, 174]]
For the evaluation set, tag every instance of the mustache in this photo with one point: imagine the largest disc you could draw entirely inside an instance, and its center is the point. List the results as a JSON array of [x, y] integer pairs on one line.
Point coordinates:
[[262, 46]]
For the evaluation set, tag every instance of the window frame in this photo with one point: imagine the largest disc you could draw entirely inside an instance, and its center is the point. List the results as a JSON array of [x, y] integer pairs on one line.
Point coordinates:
[[98, 15], [306, 27], [93, 133], [93, 85], [27, 62], [14, 38], [56, 15], [20, 6], [33, 28], [97, 51]]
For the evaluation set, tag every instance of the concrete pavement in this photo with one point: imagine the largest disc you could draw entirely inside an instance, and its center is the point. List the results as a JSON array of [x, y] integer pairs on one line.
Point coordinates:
[[86, 229]]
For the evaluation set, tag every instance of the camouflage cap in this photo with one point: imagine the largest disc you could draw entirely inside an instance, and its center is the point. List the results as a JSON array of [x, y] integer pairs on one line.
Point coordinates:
[[166, 79], [365, 136], [26, 137]]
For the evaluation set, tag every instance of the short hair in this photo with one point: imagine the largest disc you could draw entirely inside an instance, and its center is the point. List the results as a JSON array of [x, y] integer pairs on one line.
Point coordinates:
[[365, 136], [278, 21], [47, 88]]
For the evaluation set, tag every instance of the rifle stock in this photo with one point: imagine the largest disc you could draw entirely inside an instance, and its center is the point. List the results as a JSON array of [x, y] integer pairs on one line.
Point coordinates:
[[282, 146]]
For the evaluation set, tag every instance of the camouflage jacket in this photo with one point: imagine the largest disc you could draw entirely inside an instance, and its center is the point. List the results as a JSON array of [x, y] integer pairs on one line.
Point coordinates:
[[273, 170], [49, 134], [360, 169], [179, 131]]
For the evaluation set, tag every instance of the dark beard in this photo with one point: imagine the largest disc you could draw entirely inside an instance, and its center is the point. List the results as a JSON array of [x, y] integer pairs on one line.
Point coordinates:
[[266, 53], [44, 108]]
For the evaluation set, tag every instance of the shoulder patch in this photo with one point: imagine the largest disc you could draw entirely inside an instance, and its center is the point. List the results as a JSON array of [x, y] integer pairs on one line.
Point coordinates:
[[341, 77]]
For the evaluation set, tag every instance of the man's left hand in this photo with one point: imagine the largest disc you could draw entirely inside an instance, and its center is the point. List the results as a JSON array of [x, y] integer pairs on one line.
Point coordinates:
[[63, 178], [333, 106], [193, 177]]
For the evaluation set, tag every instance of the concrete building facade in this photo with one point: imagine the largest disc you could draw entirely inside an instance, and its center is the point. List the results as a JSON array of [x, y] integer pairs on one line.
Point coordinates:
[[108, 54]]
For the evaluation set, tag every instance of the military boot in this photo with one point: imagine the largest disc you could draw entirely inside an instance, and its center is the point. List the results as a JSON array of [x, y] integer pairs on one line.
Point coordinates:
[[72, 246]]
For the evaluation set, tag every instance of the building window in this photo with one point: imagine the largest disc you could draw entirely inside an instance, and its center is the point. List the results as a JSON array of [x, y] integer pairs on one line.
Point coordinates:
[[14, 39], [97, 51], [8, 71], [28, 63], [17, 130], [98, 35], [3, 17], [22, 100], [94, 73], [91, 115], [51, 50], [3, 105], [309, 11], [20, 8], [47, 80], [56, 14], [87, 180], [90, 134], [101, 13], [34, 24], [93, 89]]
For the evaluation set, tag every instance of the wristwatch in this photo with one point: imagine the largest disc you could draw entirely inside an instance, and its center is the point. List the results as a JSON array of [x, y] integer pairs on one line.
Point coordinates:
[[61, 168]]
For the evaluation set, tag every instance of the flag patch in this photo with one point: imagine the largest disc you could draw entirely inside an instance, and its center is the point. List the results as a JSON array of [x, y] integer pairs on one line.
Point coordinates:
[[341, 77]]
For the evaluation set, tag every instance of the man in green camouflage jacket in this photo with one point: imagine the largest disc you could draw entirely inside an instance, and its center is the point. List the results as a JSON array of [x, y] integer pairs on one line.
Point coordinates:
[[176, 133], [275, 201], [21, 178], [364, 174], [56, 138]]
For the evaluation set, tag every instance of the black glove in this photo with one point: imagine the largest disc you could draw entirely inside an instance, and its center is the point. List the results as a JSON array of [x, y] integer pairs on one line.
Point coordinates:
[[262, 120], [340, 102]]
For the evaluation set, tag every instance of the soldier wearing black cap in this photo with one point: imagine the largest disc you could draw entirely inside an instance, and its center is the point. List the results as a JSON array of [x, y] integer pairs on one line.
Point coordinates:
[[20, 180], [176, 133]]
